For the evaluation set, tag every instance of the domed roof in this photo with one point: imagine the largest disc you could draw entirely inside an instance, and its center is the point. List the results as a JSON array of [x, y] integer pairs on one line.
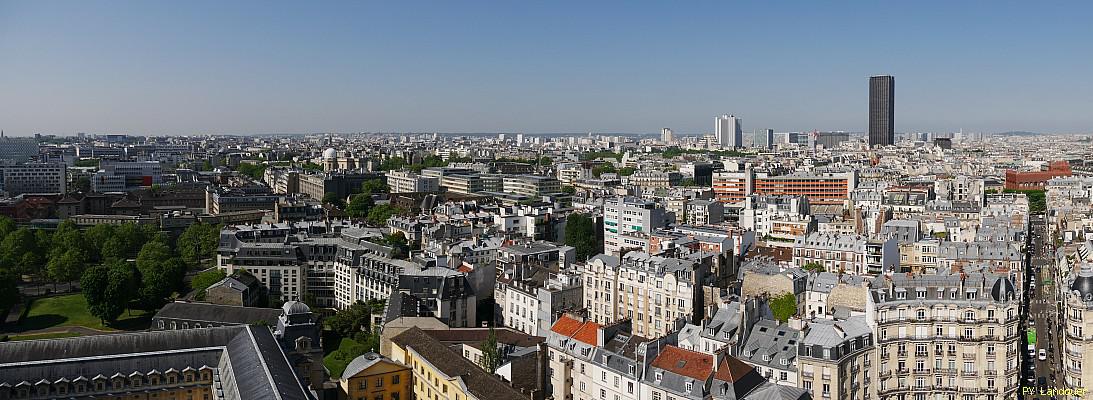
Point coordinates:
[[294, 307], [330, 153], [1003, 290], [1083, 284]]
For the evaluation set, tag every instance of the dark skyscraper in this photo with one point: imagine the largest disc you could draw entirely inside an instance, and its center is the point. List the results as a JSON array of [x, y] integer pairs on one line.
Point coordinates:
[[882, 111]]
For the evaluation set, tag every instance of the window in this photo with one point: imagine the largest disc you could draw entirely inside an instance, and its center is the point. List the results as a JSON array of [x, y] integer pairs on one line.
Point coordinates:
[[395, 379], [689, 386]]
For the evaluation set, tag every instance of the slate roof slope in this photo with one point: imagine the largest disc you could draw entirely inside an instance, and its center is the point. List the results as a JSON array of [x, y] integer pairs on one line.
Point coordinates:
[[256, 367], [218, 313]]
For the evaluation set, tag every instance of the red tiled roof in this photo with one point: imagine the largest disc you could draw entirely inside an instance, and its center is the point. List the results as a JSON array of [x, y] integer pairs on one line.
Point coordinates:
[[685, 362], [566, 326], [732, 369], [588, 333]]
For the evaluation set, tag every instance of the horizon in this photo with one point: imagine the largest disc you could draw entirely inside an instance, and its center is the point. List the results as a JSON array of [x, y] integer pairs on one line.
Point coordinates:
[[245, 68]]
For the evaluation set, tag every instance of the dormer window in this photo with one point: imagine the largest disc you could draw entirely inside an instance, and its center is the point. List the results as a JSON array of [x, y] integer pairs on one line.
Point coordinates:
[[690, 385], [659, 375]]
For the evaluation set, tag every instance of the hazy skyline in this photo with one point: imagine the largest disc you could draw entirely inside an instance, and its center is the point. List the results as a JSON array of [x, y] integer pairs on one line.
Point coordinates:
[[258, 67]]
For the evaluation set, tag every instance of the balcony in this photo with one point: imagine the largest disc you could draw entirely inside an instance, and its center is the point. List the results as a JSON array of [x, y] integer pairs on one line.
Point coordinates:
[[884, 374], [921, 371], [990, 373], [966, 373]]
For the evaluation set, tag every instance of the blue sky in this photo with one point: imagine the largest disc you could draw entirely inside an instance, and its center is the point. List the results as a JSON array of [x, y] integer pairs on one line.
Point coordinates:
[[156, 67]]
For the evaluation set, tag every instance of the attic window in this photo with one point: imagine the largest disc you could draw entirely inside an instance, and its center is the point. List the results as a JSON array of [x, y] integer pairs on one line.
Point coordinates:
[[659, 376], [690, 385], [681, 363]]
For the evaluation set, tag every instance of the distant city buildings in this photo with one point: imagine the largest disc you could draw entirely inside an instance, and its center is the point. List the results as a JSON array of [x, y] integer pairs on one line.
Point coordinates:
[[728, 132]]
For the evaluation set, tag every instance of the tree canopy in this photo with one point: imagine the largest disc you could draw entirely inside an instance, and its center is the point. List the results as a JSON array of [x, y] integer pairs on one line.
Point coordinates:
[[784, 306], [581, 233]]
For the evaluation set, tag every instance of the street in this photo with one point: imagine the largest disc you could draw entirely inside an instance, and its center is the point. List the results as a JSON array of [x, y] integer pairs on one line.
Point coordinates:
[[1042, 314]]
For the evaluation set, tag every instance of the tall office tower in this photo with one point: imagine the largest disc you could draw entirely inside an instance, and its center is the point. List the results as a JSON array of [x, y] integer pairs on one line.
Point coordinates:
[[882, 111], [519, 139], [666, 135], [727, 132], [763, 139]]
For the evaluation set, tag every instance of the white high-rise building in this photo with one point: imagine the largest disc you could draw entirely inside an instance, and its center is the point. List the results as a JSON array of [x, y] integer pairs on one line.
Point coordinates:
[[728, 132], [666, 135]]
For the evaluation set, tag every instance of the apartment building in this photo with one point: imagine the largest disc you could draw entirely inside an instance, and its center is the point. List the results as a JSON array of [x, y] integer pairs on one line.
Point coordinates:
[[835, 359], [441, 373], [949, 334], [1003, 257], [409, 182], [658, 295], [703, 212], [779, 217], [653, 179], [821, 188], [533, 186], [120, 176], [17, 179], [627, 222], [852, 254]]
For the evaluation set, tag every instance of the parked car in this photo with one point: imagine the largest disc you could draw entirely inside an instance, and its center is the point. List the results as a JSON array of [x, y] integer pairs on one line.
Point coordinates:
[[1043, 356]]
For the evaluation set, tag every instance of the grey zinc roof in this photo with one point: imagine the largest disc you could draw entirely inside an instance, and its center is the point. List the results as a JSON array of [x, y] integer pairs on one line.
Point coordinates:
[[829, 333], [775, 341], [217, 313], [258, 367]]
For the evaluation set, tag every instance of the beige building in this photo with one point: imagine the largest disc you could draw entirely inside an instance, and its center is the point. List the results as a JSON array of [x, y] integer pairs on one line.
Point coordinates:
[[946, 335], [657, 294]]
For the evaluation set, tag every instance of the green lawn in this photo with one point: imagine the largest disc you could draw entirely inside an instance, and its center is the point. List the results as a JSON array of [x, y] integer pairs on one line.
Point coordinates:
[[337, 360], [56, 335], [71, 310]]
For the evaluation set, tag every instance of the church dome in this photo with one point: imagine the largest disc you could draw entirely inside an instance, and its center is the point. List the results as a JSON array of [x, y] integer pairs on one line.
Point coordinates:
[[294, 307], [330, 154], [1083, 284]]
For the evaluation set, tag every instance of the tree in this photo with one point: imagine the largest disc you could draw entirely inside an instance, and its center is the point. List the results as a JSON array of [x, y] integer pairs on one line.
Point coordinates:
[[334, 200], [108, 289], [378, 215], [814, 266], [96, 237], [66, 267], [604, 168], [160, 274], [20, 248], [544, 160], [491, 355], [392, 164], [198, 242], [350, 321], [373, 186], [9, 289], [360, 205], [7, 226], [687, 182], [255, 171], [580, 232], [205, 279], [398, 242], [569, 190], [784, 306]]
